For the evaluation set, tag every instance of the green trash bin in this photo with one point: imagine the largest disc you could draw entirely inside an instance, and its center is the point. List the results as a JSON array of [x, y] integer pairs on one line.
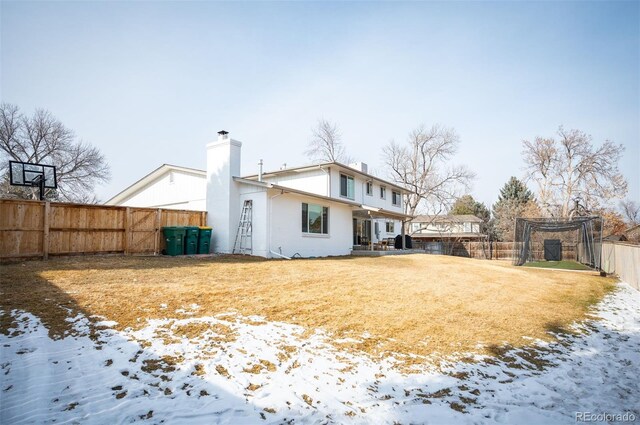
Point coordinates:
[[204, 240], [191, 240], [174, 240]]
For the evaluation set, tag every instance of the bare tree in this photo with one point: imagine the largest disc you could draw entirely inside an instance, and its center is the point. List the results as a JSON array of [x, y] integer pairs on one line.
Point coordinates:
[[505, 214], [614, 223], [422, 167], [630, 211], [570, 167], [326, 144], [41, 138], [540, 157]]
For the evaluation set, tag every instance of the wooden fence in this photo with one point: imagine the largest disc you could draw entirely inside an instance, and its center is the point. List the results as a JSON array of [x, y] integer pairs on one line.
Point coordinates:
[[488, 250], [41, 229]]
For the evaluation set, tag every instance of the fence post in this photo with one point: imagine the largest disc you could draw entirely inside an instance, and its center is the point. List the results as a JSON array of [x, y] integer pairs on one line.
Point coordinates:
[[156, 243], [127, 229], [45, 231]]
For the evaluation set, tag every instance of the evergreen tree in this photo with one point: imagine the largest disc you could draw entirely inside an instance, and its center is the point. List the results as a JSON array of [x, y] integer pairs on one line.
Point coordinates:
[[467, 205], [515, 189], [515, 200]]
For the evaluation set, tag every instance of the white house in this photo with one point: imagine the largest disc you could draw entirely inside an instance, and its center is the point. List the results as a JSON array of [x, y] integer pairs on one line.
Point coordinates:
[[168, 186], [311, 211], [318, 210]]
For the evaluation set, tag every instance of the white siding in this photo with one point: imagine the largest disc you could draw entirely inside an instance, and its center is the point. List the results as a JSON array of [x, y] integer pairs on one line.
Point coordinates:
[[174, 190], [259, 219], [286, 228], [312, 181], [373, 200], [382, 226]]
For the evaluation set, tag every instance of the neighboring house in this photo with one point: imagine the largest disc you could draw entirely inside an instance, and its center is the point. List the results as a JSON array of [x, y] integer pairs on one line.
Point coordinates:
[[461, 228], [633, 234], [615, 238], [169, 187], [318, 210]]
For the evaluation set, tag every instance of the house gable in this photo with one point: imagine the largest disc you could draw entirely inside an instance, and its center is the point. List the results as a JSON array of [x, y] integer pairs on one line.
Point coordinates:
[[168, 187]]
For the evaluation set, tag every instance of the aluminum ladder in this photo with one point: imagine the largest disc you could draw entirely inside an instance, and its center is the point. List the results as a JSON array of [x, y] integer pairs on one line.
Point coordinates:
[[243, 243]]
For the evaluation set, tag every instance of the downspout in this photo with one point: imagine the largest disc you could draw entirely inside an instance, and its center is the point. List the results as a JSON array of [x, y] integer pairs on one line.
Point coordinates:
[[277, 254]]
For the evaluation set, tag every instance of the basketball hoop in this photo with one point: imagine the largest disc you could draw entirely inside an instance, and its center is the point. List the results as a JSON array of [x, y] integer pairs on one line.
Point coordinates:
[[30, 175]]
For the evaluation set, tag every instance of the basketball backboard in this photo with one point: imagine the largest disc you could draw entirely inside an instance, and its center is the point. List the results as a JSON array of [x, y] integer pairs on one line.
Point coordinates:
[[26, 174]]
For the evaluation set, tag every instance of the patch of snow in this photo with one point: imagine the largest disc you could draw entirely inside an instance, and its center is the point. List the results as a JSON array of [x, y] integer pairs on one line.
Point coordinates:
[[234, 370], [106, 323]]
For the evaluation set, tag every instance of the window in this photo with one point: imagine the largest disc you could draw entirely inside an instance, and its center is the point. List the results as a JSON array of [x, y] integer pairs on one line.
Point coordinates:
[[172, 178], [395, 198], [383, 192], [347, 186], [315, 219], [369, 188], [391, 226]]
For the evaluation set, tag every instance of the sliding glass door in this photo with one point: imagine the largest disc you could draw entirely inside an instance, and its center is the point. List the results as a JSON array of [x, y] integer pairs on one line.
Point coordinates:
[[361, 231]]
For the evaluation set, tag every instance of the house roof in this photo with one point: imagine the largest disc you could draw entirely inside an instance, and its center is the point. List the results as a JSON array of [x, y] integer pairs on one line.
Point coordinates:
[[615, 238], [375, 210], [151, 177], [632, 229], [328, 164], [449, 218], [165, 168]]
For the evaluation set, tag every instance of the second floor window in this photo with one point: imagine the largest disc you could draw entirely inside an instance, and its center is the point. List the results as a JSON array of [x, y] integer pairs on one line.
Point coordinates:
[[395, 198], [383, 192], [369, 188], [347, 186]]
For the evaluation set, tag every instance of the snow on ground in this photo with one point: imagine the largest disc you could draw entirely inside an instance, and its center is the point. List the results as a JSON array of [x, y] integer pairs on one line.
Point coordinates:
[[230, 369]]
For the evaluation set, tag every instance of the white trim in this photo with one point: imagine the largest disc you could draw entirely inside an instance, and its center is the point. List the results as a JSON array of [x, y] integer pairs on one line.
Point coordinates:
[[315, 235]]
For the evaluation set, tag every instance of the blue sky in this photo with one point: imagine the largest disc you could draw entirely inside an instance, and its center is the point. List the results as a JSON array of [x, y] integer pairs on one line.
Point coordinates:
[[152, 82]]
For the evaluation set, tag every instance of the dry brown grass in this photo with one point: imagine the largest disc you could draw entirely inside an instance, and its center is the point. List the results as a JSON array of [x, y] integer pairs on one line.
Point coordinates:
[[408, 304]]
